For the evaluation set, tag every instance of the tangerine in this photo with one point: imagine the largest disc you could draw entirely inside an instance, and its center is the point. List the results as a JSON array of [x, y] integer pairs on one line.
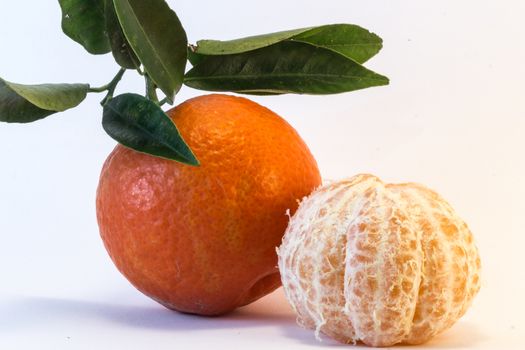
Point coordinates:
[[378, 263], [202, 239]]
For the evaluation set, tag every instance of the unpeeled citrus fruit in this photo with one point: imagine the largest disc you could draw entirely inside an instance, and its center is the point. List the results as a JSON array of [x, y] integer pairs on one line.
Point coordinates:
[[202, 239], [378, 263]]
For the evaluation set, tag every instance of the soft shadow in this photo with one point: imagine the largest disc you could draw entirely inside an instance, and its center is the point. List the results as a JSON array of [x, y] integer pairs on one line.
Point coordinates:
[[461, 335], [23, 313], [272, 311], [307, 337]]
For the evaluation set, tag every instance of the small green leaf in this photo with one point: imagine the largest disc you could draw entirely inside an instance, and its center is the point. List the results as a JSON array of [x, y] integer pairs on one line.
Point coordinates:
[[285, 67], [84, 22], [28, 103], [159, 40], [120, 47], [349, 40], [140, 124]]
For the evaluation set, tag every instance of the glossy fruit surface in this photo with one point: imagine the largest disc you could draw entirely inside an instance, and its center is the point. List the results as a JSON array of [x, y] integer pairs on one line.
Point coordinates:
[[364, 261], [202, 239]]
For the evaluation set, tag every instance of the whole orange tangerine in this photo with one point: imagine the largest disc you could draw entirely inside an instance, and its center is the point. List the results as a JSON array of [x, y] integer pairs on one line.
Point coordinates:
[[202, 239]]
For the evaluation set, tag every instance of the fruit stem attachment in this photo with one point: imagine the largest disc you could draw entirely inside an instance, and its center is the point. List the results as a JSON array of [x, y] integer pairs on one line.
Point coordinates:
[[110, 87]]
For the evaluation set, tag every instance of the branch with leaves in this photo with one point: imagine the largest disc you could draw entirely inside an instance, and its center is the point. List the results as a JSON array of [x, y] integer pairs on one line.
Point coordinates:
[[148, 37]]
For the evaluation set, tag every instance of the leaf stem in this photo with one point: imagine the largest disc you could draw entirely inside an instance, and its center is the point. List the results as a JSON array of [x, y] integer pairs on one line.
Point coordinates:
[[107, 86], [110, 88], [163, 101], [98, 89], [151, 89]]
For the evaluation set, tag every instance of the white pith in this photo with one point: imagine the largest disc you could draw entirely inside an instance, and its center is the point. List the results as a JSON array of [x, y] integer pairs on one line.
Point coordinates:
[[394, 255]]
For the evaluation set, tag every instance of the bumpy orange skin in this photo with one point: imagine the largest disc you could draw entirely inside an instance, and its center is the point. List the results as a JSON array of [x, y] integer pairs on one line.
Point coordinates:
[[378, 263], [202, 239]]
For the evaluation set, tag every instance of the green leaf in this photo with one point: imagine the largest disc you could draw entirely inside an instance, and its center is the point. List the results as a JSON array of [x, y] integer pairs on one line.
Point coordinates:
[[28, 103], [218, 47], [84, 22], [159, 40], [120, 47], [349, 40], [285, 67], [140, 124]]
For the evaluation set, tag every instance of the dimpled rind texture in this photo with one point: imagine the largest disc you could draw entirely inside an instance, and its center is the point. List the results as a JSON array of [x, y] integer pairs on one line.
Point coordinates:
[[381, 264], [202, 239]]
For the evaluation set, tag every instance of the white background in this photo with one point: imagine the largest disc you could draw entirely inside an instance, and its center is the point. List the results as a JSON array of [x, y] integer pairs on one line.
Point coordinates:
[[452, 118]]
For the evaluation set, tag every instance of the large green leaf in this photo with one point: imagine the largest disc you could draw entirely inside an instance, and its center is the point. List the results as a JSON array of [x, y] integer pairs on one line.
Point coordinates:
[[285, 67], [84, 22], [349, 40], [120, 47], [140, 124], [159, 40], [27, 103]]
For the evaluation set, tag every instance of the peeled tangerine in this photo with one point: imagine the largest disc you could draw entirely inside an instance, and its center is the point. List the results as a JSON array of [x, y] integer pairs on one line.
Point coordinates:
[[364, 261]]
